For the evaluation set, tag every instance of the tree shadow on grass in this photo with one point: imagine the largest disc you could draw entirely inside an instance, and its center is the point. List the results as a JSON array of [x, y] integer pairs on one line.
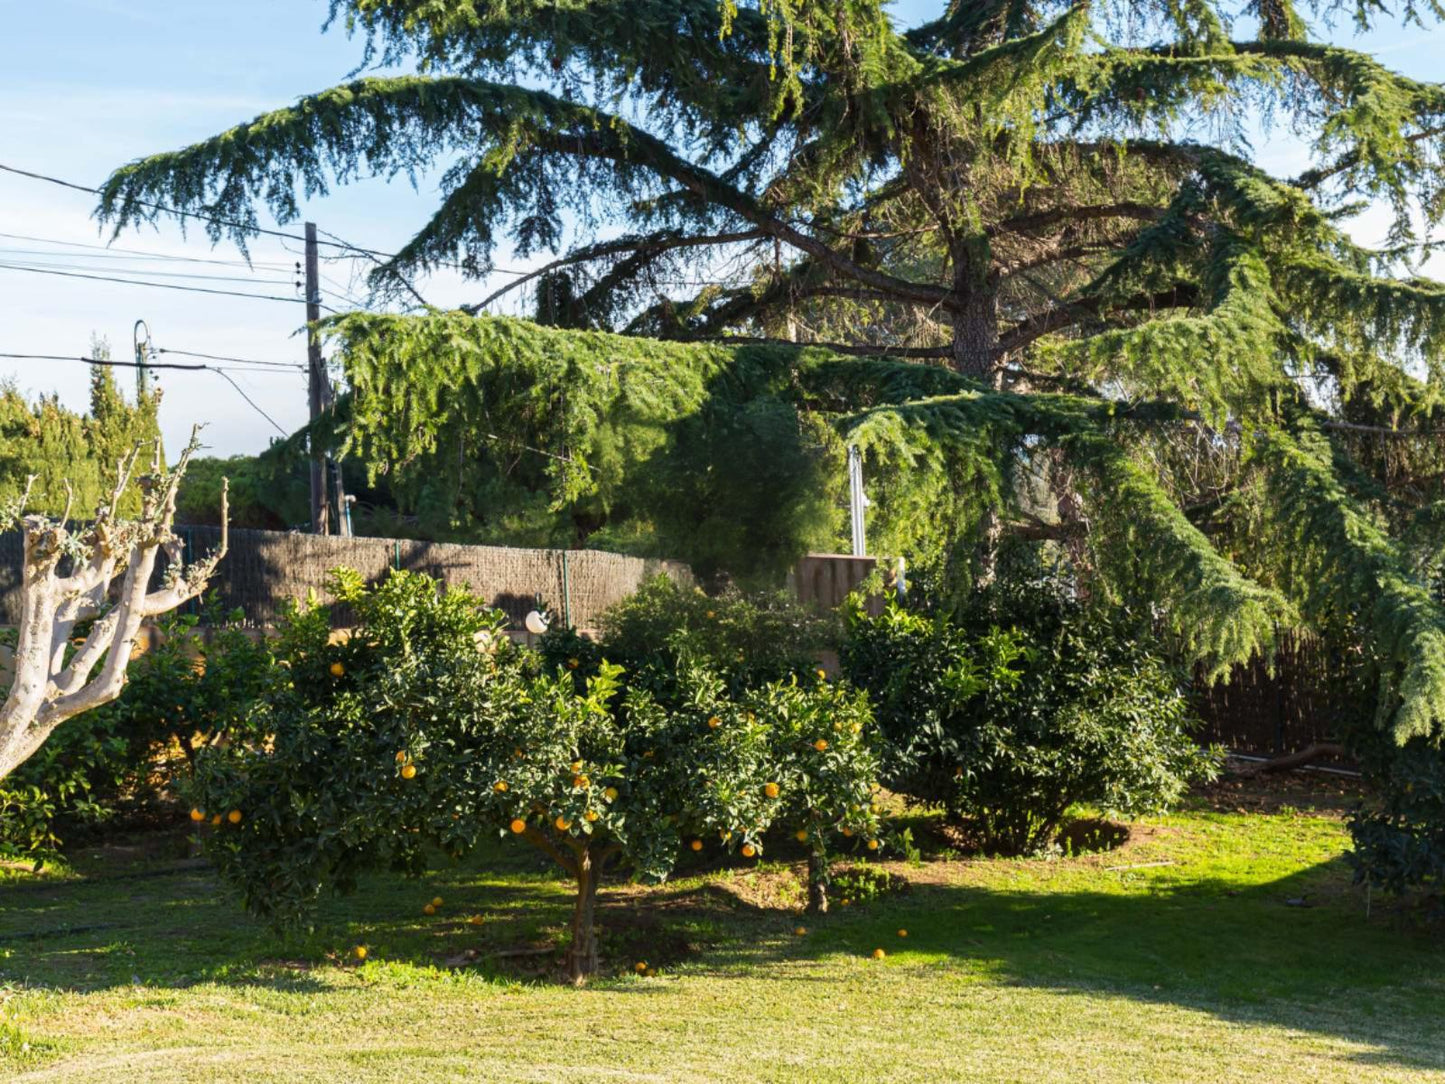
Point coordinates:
[[1294, 952]]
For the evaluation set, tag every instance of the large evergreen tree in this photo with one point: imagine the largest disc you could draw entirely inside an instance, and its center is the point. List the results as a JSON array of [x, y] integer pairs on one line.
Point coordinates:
[[1096, 320]]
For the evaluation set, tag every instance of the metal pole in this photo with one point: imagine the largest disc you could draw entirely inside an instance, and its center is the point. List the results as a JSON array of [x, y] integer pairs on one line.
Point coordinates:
[[142, 351], [315, 376], [856, 499]]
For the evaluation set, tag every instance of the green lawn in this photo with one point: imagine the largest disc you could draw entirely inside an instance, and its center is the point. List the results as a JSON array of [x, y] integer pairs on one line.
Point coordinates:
[[1188, 964]]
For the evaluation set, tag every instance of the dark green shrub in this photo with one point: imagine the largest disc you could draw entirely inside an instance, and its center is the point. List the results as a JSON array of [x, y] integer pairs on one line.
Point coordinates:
[[75, 779], [196, 685], [1026, 705], [747, 639], [1399, 831]]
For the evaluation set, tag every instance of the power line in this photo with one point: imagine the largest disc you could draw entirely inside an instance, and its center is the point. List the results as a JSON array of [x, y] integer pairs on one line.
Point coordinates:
[[7, 253], [120, 253], [224, 372], [246, 226], [222, 357], [226, 377], [114, 364], [155, 285]]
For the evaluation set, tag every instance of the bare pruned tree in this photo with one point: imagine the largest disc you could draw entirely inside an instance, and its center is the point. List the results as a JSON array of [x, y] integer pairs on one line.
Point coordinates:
[[98, 573]]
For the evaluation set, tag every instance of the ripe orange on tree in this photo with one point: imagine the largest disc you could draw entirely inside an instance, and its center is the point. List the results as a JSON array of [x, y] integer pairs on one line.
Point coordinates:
[[337, 669], [820, 745], [234, 816], [408, 771], [518, 826], [772, 790], [197, 815], [696, 844]]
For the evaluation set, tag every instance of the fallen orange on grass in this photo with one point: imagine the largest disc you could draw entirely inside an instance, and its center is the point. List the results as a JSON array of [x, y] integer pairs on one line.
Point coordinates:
[[475, 920], [358, 953], [801, 931], [436, 902], [878, 954], [429, 909]]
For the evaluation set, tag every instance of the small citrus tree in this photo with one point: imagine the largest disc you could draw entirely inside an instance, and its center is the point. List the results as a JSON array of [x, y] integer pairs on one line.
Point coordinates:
[[427, 728]]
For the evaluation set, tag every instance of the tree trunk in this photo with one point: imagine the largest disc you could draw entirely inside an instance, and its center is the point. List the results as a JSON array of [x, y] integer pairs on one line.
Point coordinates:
[[817, 880], [975, 354], [975, 336], [582, 954]]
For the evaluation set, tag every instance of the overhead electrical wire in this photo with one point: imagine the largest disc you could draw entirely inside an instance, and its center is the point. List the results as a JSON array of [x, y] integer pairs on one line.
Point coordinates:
[[223, 371], [4, 255], [213, 219], [223, 357], [119, 253], [156, 285]]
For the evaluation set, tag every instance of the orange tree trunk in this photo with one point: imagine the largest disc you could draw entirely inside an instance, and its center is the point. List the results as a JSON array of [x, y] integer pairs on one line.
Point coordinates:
[[582, 954]]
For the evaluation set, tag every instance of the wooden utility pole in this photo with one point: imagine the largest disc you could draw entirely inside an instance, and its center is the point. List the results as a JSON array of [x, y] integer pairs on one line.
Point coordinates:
[[317, 392]]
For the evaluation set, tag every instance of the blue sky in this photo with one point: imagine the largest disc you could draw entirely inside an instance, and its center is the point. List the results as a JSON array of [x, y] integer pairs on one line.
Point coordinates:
[[87, 85]]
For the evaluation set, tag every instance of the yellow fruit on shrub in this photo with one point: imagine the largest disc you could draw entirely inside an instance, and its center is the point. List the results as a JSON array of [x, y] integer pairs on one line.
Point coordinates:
[[562, 824], [801, 835], [436, 902], [713, 722], [234, 816], [358, 953], [197, 815], [519, 826], [820, 745], [749, 850], [872, 844], [696, 844], [590, 816], [428, 909], [408, 771], [216, 819], [772, 790], [610, 794], [500, 786], [902, 933], [337, 669]]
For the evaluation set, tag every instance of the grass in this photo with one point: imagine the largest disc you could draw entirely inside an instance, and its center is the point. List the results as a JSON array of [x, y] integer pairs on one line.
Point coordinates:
[[1179, 957]]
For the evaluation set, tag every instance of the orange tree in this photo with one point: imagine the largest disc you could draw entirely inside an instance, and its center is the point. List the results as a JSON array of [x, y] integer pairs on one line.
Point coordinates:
[[427, 729]]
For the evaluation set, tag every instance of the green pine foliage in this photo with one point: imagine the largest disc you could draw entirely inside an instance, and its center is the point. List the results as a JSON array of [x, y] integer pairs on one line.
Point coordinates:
[[1022, 254]]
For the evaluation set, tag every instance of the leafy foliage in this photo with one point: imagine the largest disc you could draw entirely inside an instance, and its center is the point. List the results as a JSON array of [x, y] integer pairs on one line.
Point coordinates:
[[1142, 333], [60, 447], [1028, 704], [428, 728], [665, 628]]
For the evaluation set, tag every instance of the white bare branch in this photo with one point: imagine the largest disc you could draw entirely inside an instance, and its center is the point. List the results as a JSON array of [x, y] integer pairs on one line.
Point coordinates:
[[47, 689]]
